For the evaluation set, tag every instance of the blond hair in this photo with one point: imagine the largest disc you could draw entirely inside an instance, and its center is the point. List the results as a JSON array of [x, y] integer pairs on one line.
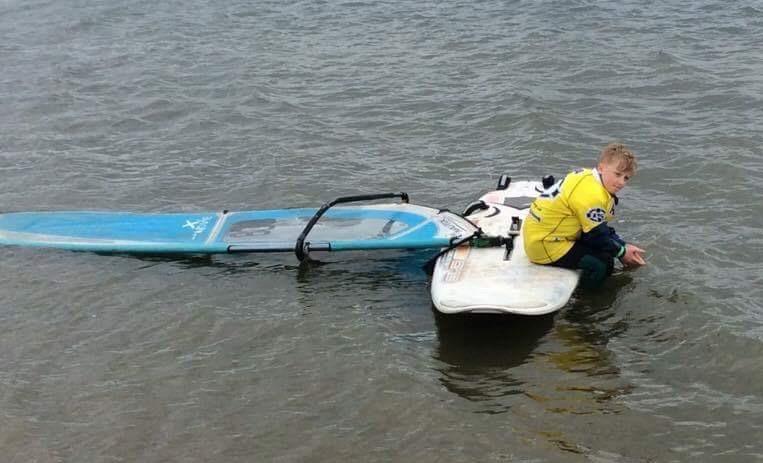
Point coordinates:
[[620, 154]]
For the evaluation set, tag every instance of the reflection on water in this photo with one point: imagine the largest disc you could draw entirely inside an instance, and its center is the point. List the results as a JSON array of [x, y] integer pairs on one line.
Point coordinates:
[[367, 269], [382, 266], [497, 361], [480, 351], [590, 318], [588, 379]]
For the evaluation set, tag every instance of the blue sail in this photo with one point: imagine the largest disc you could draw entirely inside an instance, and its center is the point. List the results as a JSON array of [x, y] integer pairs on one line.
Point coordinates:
[[377, 226]]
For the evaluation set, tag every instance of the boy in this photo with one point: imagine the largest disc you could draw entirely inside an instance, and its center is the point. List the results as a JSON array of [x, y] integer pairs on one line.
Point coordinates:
[[567, 225]]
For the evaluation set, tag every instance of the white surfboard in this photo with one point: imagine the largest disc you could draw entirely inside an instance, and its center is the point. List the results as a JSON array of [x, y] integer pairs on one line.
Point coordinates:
[[470, 279]]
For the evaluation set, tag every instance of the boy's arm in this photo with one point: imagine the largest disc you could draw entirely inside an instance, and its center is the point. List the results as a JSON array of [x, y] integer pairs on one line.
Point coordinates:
[[615, 237], [603, 237]]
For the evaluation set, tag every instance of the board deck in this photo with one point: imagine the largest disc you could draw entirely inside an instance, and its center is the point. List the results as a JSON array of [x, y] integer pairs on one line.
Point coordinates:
[[481, 280]]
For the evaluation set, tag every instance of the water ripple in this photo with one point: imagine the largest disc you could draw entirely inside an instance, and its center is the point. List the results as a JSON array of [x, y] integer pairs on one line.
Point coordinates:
[[196, 105]]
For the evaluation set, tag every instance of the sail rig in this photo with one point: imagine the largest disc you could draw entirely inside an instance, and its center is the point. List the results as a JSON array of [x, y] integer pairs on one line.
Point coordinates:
[[332, 227]]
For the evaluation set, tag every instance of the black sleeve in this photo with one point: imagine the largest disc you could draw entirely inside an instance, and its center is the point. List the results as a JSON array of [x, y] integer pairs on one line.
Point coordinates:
[[603, 238], [615, 237]]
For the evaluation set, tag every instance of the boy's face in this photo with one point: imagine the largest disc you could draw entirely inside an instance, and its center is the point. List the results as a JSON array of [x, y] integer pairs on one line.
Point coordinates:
[[613, 177]]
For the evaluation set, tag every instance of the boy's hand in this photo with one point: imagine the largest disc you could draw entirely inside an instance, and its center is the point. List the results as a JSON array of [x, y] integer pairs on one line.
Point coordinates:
[[633, 257]]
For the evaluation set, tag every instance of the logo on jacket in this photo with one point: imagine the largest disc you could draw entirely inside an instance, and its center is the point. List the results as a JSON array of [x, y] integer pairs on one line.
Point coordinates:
[[596, 214]]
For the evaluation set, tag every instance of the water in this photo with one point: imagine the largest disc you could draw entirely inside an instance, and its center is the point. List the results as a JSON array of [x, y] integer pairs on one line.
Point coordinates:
[[194, 105]]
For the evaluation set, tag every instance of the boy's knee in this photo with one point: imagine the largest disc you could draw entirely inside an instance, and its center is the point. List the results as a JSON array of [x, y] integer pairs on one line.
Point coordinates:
[[595, 271]]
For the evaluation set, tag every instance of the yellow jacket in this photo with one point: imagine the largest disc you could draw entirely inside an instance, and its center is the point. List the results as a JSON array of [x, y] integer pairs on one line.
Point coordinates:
[[576, 204]]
